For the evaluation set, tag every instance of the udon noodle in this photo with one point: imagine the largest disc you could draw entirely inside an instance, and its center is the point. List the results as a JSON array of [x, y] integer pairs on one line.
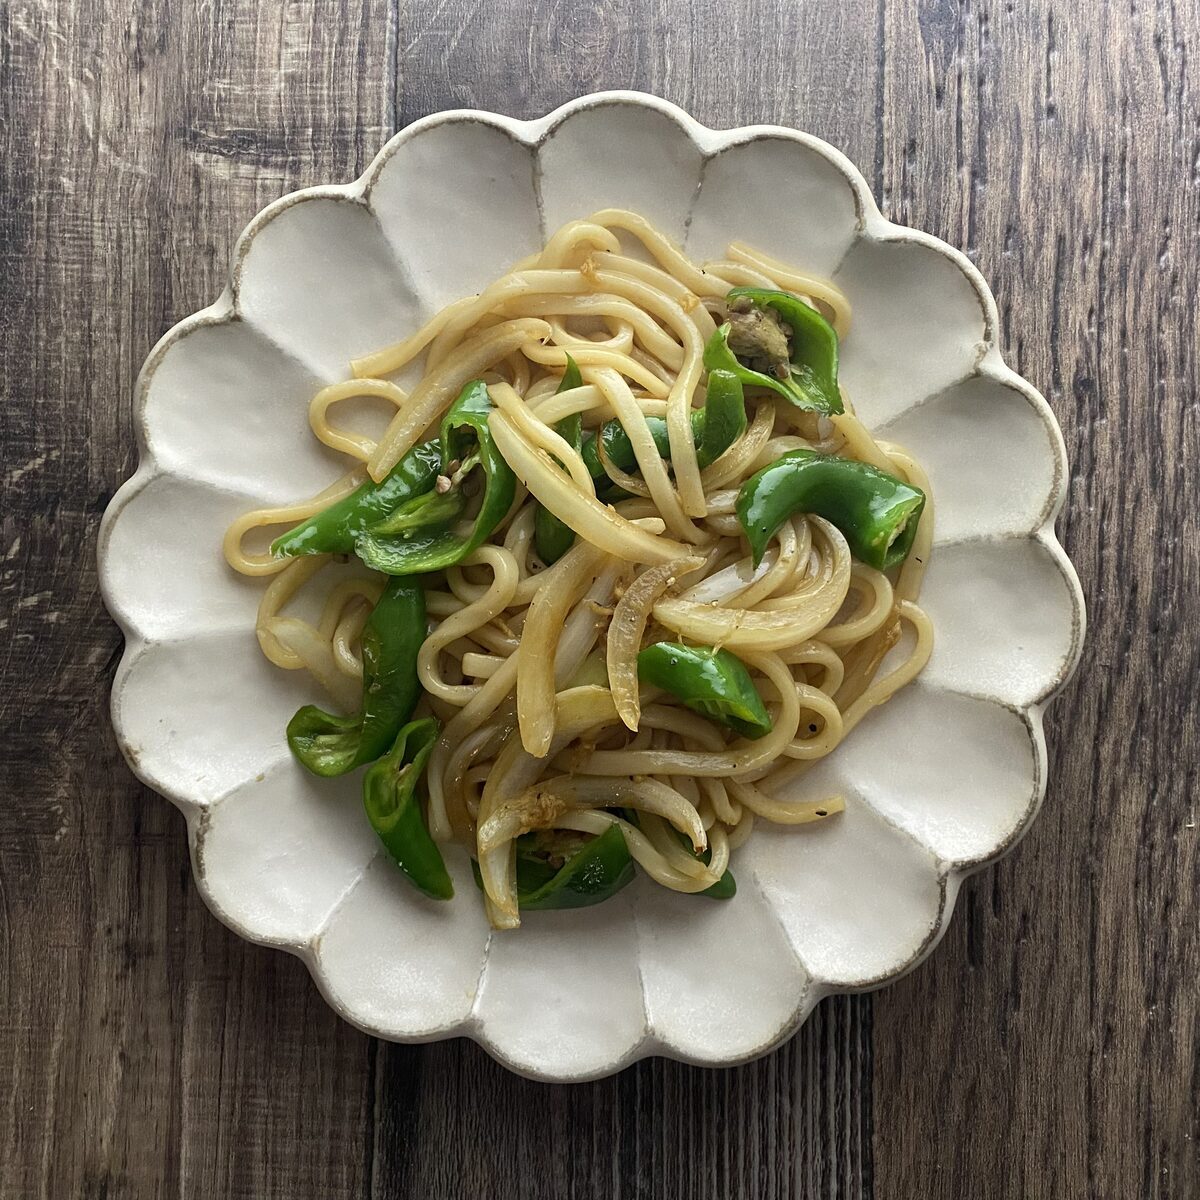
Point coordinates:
[[531, 670]]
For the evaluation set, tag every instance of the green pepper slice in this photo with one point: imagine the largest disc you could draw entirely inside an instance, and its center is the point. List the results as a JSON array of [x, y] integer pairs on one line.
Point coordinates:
[[712, 682], [596, 870], [715, 428], [877, 513], [809, 379], [335, 529], [330, 745], [394, 809], [562, 869], [722, 419], [618, 449], [552, 538], [466, 439]]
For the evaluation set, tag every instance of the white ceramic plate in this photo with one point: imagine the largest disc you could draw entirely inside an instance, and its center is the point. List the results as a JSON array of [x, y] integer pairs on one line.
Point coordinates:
[[940, 781]]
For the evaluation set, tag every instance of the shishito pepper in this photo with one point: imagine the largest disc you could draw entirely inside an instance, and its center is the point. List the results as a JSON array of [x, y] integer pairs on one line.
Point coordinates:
[[712, 682], [876, 512], [429, 510], [559, 868], [398, 545], [552, 538], [335, 529], [328, 744], [394, 809], [804, 371]]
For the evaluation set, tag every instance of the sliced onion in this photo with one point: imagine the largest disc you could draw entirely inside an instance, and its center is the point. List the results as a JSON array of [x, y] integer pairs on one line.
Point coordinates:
[[629, 625], [795, 546], [540, 806], [553, 648], [817, 601], [732, 580], [640, 848], [585, 624], [539, 645], [741, 629], [347, 635], [576, 711], [722, 502]]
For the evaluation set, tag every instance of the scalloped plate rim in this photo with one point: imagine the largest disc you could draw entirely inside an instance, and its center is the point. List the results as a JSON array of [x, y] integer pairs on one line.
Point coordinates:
[[872, 225]]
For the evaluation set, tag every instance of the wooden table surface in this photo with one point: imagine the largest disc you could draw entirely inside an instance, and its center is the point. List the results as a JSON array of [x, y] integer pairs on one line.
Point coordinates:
[[1049, 1048]]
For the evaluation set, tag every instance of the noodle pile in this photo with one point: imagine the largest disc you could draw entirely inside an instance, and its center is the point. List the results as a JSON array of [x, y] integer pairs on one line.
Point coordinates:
[[532, 669]]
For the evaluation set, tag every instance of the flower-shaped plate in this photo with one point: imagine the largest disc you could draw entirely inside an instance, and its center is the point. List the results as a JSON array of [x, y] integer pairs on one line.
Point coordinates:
[[938, 782]]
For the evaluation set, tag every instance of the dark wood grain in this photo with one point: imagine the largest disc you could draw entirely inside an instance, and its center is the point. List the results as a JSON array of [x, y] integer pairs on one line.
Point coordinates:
[[1064, 1002], [1049, 1049]]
